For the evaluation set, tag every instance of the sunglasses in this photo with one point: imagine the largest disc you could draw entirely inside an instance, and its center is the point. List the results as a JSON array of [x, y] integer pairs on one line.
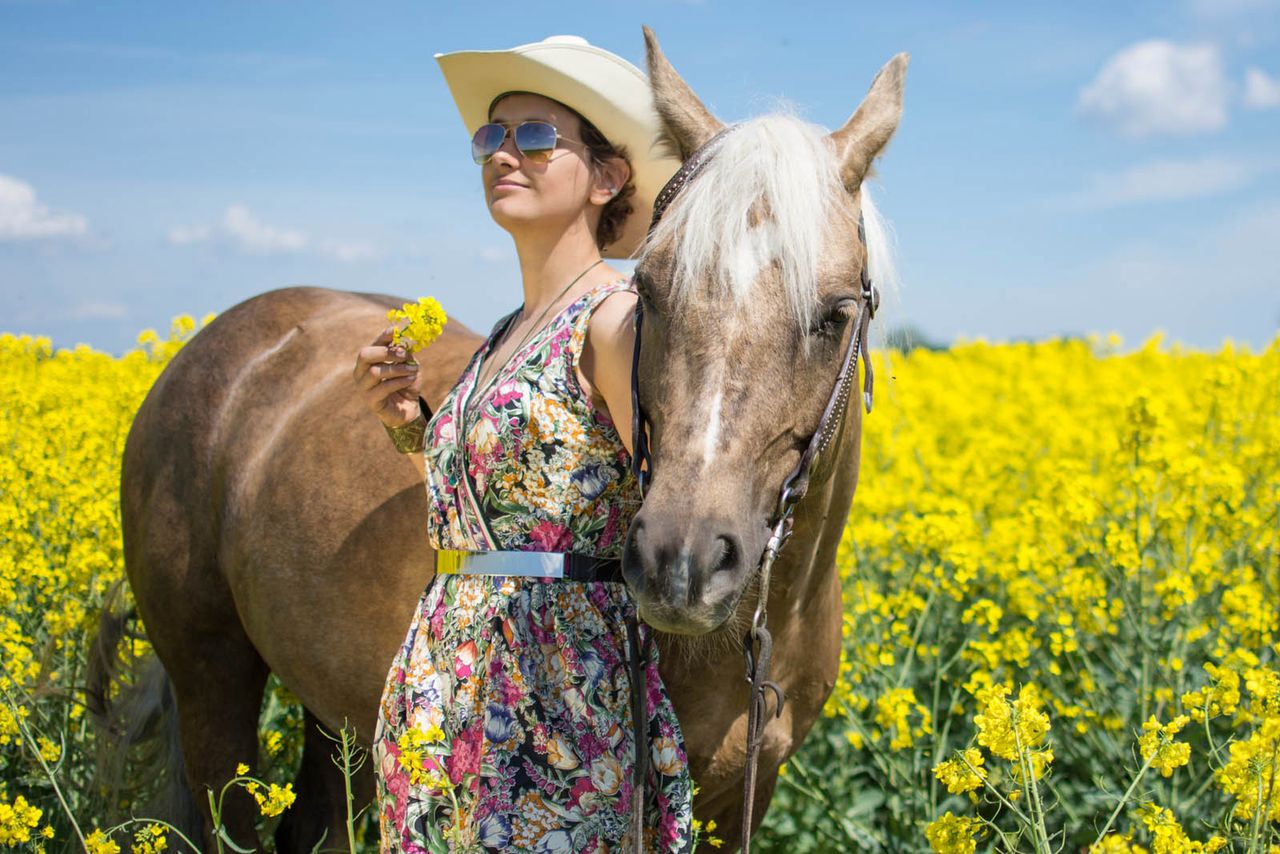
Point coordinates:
[[534, 140]]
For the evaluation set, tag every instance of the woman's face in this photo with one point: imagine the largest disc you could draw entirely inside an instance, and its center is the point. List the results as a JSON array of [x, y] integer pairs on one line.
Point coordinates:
[[552, 195]]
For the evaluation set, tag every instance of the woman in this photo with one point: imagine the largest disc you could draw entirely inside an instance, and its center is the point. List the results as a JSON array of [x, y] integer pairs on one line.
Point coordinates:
[[506, 722]]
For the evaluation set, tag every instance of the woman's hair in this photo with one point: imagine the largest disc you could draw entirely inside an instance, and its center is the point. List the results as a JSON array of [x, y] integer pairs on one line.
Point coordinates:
[[599, 149], [617, 209]]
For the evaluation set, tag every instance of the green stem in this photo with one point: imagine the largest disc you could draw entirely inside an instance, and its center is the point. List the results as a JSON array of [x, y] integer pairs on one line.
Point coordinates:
[[1033, 800], [214, 814], [53, 781], [915, 637], [350, 760], [1124, 799], [1009, 804], [122, 825]]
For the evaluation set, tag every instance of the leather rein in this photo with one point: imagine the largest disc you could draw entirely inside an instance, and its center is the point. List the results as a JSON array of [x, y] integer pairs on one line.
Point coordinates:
[[757, 642]]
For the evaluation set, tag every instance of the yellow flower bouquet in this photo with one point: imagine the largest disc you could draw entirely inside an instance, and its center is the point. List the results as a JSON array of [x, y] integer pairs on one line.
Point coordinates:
[[426, 320]]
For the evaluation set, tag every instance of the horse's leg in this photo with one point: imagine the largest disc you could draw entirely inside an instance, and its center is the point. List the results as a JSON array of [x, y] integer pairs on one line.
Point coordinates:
[[725, 809], [219, 697], [321, 809]]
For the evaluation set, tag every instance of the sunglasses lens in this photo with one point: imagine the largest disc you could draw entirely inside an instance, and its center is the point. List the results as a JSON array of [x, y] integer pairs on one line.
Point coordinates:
[[488, 139], [536, 140]]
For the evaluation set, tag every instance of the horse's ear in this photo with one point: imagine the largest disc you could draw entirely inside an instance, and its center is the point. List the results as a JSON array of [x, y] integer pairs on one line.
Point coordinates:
[[688, 123], [868, 130]]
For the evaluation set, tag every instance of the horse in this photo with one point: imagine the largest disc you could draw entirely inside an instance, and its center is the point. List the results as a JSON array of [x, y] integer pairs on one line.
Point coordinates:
[[269, 528]]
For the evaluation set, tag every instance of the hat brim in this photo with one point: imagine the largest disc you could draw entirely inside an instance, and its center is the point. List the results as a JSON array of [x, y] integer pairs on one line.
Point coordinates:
[[607, 90]]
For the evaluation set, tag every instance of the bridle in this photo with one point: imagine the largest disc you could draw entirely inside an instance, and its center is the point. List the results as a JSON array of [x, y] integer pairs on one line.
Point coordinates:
[[758, 643]]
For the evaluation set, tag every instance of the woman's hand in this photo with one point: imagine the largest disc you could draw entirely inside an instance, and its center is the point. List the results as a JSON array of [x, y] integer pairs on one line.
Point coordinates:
[[388, 382]]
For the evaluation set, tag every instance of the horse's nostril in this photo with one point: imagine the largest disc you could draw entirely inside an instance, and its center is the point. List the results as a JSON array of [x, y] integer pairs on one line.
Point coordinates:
[[631, 554], [730, 554]]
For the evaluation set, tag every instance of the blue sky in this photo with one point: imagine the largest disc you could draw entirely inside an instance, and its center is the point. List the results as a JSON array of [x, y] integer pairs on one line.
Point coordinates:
[[1059, 168]]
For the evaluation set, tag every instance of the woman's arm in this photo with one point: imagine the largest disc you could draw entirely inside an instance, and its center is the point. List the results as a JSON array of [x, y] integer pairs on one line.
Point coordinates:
[[605, 366], [420, 463]]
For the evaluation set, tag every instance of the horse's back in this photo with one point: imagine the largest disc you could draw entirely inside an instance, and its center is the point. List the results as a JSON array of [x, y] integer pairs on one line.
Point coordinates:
[[257, 494]]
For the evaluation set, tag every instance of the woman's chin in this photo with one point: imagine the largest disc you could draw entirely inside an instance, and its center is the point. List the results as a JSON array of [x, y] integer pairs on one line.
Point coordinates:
[[515, 217], [507, 209]]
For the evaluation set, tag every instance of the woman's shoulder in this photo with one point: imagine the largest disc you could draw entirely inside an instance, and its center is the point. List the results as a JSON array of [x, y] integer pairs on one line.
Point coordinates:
[[601, 298]]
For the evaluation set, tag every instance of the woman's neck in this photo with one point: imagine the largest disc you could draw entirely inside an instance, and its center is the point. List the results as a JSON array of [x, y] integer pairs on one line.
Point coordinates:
[[550, 260]]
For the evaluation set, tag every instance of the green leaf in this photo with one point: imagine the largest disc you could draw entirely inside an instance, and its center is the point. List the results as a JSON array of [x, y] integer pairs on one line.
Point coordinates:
[[315, 849], [226, 837], [865, 802]]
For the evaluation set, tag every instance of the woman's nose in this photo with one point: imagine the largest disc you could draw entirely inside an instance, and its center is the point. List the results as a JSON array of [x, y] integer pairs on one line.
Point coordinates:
[[507, 151]]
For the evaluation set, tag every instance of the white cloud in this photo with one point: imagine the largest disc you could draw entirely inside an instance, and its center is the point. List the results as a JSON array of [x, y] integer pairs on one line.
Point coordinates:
[[1157, 87], [1261, 91], [99, 311], [242, 230], [1167, 180], [24, 218], [180, 236], [252, 235], [352, 252]]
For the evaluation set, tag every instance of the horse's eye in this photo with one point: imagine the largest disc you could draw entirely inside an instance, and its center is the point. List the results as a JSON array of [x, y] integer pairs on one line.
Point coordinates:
[[641, 282], [831, 324]]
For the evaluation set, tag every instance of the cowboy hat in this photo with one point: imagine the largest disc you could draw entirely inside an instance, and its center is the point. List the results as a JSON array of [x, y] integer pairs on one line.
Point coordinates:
[[607, 90]]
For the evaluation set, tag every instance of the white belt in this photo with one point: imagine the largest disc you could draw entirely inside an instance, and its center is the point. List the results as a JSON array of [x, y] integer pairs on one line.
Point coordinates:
[[568, 566], [537, 564]]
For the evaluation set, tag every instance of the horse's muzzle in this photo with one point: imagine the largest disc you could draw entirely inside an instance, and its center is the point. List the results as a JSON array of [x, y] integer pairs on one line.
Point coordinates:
[[687, 575]]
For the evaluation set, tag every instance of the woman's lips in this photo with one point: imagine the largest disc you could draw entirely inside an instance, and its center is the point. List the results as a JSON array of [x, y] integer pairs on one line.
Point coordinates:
[[500, 184]]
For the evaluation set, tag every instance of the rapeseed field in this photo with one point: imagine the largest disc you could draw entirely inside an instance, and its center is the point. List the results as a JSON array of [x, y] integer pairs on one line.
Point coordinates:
[[1062, 590]]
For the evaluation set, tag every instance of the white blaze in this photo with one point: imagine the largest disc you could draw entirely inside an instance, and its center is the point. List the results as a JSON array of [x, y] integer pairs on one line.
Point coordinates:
[[712, 436]]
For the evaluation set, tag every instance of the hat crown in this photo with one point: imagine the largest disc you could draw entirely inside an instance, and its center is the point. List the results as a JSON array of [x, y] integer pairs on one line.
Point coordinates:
[[566, 39]]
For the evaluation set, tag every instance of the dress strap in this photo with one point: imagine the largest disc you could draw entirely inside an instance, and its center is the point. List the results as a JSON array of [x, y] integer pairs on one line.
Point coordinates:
[[469, 510]]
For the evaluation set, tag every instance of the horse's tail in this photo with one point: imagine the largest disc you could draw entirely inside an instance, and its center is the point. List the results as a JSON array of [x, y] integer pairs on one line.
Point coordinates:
[[132, 707]]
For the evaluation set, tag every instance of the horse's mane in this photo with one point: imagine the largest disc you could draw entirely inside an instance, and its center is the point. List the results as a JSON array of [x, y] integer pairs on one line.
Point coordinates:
[[791, 164]]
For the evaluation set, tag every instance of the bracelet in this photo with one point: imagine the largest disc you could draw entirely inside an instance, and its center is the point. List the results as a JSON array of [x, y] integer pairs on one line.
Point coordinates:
[[409, 438]]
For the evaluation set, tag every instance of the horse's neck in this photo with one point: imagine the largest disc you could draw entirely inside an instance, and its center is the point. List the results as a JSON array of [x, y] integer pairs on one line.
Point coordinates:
[[807, 561]]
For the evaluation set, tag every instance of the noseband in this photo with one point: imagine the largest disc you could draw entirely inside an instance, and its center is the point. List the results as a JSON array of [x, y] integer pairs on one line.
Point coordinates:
[[758, 643]]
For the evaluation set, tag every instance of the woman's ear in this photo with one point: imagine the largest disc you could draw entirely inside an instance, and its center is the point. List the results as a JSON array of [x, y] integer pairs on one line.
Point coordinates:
[[610, 177]]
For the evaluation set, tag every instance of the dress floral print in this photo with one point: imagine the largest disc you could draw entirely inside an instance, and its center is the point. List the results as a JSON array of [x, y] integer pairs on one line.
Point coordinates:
[[505, 722]]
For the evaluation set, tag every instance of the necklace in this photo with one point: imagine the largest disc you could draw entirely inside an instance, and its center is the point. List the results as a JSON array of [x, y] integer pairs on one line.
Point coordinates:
[[534, 329]]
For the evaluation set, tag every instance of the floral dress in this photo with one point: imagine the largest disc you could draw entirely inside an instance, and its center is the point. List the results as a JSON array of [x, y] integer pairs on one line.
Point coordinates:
[[505, 723]]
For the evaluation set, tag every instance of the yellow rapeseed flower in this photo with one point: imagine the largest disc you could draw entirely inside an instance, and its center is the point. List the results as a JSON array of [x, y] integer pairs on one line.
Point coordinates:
[[426, 320], [894, 710], [50, 750], [1250, 774], [276, 800], [150, 839], [952, 834], [17, 820], [416, 757], [1004, 727], [1157, 744], [98, 842], [958, 775], [1114, 843], [1168, 837]]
